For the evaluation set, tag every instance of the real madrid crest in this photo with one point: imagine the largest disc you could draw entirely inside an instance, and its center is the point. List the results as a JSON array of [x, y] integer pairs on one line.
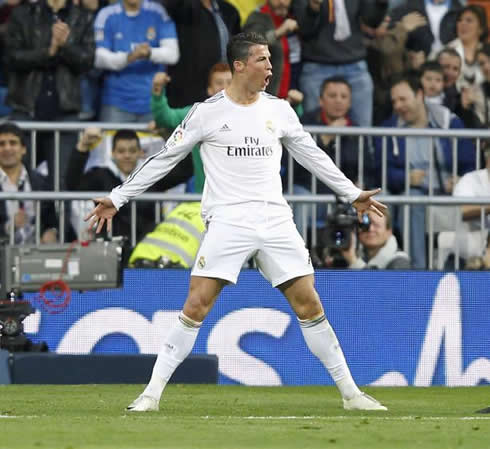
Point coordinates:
[[151, 33], [201, 263], [269, 126]]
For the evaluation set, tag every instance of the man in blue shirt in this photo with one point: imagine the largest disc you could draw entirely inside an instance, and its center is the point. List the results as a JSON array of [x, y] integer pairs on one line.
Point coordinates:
[[410, 111], [135, 39]]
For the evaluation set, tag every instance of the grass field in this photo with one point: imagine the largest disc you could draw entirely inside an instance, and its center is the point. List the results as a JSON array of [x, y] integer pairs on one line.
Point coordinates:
[[93, 416]]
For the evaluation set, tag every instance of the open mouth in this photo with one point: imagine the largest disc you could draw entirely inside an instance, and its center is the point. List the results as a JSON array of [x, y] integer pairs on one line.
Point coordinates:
[[268, 79]]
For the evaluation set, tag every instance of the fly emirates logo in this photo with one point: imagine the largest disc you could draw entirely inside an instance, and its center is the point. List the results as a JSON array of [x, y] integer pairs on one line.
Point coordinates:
[[250, 148]]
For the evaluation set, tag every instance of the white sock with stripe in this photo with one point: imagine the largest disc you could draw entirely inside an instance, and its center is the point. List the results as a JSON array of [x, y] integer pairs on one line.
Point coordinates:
[[176, 347], [323, 343]]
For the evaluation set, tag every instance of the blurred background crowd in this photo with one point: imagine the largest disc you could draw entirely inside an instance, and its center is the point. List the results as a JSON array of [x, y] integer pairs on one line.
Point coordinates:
[[339, 63]]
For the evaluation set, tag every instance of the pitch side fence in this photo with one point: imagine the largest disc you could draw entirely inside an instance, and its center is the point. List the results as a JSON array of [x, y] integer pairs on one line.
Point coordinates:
[[307, 216]]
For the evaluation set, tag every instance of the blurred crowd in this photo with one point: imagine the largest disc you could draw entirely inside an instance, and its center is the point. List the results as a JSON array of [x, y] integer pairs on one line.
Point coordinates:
[[339, 63]]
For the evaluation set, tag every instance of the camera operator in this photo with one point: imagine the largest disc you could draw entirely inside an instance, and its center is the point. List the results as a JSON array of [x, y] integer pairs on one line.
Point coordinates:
[[379, 248]]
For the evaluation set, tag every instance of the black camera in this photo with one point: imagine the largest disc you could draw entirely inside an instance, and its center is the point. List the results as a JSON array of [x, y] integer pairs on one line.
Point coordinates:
[[341, 223], [12, 338]]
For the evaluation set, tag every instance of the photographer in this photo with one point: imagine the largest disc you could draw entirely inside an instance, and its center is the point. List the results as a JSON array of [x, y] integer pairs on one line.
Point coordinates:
[[379, 247]]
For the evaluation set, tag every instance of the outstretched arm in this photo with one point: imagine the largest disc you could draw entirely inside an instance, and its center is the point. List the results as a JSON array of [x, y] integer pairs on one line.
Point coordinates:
[[178, 145], [304, 149]]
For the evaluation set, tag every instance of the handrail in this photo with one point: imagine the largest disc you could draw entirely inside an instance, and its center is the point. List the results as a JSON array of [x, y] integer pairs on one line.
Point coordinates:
[[343, 131], [430, 200]]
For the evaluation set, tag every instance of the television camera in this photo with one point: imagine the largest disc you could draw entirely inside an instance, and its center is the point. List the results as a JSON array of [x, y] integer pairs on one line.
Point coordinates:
[[81, 266]]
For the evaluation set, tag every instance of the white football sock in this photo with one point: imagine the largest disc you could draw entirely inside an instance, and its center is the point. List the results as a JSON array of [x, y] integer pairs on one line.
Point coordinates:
[[323, 343], [176, 347]]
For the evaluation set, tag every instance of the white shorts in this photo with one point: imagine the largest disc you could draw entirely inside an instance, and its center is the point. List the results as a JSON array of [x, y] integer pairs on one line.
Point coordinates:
[[265, 232]]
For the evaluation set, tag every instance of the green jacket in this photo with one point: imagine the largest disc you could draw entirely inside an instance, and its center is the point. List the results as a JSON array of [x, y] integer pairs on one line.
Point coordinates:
[[168, 117]]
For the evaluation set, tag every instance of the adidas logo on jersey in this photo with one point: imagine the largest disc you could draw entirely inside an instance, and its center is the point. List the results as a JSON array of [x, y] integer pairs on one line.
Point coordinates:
[[225, 127]]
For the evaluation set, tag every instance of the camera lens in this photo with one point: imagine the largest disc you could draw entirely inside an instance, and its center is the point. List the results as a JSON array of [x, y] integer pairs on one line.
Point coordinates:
[[339, 238]]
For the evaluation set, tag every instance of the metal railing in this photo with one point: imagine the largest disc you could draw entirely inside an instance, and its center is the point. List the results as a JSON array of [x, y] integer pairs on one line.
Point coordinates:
[[314, 198]]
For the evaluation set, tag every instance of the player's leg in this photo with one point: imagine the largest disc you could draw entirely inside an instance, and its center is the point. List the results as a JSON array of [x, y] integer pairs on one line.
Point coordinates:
[[221, 255], [322, 341], [180, 340]]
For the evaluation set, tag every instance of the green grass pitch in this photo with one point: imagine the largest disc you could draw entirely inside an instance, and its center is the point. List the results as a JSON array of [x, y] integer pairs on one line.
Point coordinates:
[[236, 417]]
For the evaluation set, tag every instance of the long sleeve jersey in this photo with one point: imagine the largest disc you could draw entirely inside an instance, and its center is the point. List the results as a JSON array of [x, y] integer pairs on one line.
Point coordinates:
[[241, 148]]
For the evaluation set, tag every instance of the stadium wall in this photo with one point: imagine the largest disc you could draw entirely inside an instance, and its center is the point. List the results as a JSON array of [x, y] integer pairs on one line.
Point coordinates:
[[396, 328]]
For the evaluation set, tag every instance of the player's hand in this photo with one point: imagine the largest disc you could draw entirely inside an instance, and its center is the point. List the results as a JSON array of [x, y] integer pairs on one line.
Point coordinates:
[[365, 202], [101, 214], [89, 139], [160, 80]]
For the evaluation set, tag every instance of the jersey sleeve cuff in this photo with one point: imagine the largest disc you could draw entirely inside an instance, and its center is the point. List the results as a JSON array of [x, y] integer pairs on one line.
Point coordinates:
[[117, 199]]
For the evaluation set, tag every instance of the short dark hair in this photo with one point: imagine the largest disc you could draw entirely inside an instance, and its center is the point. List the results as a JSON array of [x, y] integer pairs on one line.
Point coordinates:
[[238, 47], [13, 128], [431, 66], [412, 78], [337, 79], [125, 134], [449, 51], [481, 15]]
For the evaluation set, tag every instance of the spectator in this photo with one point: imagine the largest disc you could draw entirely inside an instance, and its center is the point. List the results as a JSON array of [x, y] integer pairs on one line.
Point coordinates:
[[333, 45], [379, 248], [174, 242], [126, 153], [477, 98], [441, 18], [50, 44], [168, 117], [17, 177], [410, 111], [473, 238], [451, 63], [387, 56], [91, 81], [279, 28], [204, 28], [472, 30], [135, 39], [6, 9], [335, 102], [432, 80]]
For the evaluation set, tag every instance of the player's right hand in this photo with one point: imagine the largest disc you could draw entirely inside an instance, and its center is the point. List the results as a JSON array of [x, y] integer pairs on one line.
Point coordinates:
[[101, 214]]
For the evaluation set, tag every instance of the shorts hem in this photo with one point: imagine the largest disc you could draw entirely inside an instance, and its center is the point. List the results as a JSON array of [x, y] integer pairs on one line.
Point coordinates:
[[215, 275], [289, 276]]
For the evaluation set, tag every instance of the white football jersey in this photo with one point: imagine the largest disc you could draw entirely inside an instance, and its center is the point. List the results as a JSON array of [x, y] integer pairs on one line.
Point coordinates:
[[241, 148]]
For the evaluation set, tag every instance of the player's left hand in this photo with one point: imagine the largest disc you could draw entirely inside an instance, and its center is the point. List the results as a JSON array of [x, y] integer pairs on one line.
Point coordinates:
[[365, 202]]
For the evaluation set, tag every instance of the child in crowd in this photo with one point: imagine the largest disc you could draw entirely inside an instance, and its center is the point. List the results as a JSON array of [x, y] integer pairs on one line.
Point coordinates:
[[432, 79]]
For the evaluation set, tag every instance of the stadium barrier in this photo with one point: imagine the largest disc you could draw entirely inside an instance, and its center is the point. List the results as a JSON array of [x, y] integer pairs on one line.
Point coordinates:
[[396, 328], [51, 368], [308, 216]]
